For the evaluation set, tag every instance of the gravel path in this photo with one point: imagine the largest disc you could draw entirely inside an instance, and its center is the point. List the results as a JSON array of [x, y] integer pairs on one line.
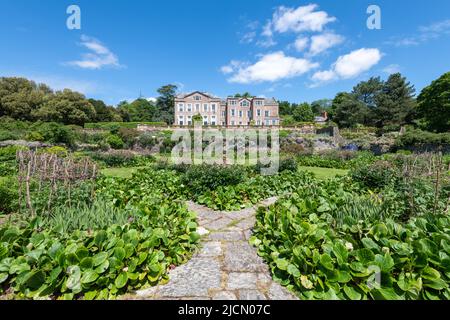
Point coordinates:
[[227, 267]]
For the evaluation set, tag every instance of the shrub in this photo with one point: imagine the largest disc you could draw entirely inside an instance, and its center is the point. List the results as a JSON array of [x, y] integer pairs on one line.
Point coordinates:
[[7, 135], [419, 138], [115, 158], [57, 150], [375, 176], [147, 140], [115, 142], [288, 165], [131, 125], [202, 178], [128, 136], [8, 195], [34, 136], [54, 133]]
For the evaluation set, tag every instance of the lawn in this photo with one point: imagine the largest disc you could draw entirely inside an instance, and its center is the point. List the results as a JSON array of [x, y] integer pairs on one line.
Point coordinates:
[[120, 172], [320, 173], [324, 173]]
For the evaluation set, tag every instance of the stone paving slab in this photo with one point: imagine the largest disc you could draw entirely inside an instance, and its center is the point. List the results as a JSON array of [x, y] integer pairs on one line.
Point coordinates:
[[227, 267]]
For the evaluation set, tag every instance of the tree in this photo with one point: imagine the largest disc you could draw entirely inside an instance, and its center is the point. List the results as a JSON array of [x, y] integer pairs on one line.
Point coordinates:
[[68, 107], [395, 102], [367, 91], [320, 106], [166, 103], [139, 110], [434, 104], [285, 108], [19, 97], [348, 111], [104, 113], [303, 113]]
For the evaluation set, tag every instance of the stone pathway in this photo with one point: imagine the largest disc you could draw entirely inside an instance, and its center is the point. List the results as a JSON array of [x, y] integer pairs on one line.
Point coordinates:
[[227, 266]]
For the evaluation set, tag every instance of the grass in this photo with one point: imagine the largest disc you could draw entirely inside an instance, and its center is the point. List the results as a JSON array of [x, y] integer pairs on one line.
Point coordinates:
[[324, 173], [120, 172]]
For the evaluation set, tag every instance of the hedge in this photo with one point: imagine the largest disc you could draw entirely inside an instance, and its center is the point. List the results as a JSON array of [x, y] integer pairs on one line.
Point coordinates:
[[115, 125]]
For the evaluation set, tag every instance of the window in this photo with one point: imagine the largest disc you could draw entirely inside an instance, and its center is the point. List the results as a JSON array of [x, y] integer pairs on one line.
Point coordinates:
[[213, 107], [267, 122], [205, 120], [181, 120], [197, 107], [233, 102], [245, 103], [267, 113], [274, 122], [258, 122], [258, 103], [181, 107], [189, 107], [205, 107], [223, 123], [240, 123], [258, 112], [233, 112], [213, 120], [197, 98], [223, 114], [249, 114], [189, 120], [240, 113]]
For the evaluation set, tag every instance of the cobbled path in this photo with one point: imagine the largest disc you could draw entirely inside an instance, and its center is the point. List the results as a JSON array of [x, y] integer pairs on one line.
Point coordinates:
[[227, 267]]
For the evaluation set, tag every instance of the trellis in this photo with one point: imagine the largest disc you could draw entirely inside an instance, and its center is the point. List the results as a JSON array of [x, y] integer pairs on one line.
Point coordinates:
[[50, 170]]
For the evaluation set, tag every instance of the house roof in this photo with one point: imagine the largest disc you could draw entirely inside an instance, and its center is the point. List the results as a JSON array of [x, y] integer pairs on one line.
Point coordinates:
[[267, 101], [206, 94]]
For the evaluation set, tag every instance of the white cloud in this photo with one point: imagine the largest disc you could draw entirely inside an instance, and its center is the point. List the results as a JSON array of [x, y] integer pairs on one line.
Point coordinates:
[[424, 34], [392, 68], [349, 66], [232, 66], [324, 76], [271, 67], [99, 57], [248, 37], [301, 43], [303, 18], [226, 69], [323, 42], [356, 62]]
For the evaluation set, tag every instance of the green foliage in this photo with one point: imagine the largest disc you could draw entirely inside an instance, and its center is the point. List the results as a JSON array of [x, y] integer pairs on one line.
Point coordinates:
[[377, 175], [434, 104], [336, 159], [202, 178], [289, 164], [116, 125], [115, 142], [303, 113], [325, 242], [101, 264], [8, 195], [99, 214], [348, 111], [120, 158], [422, 139]]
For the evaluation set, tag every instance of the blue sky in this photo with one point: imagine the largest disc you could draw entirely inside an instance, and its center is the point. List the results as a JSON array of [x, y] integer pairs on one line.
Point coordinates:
[[293, 50]]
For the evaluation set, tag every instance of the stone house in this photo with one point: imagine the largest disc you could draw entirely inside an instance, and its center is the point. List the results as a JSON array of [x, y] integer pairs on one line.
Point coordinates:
[[229, 112]]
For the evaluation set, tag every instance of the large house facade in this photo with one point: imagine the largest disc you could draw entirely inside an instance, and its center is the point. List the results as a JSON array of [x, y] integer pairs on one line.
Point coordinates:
[[229, 112]]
